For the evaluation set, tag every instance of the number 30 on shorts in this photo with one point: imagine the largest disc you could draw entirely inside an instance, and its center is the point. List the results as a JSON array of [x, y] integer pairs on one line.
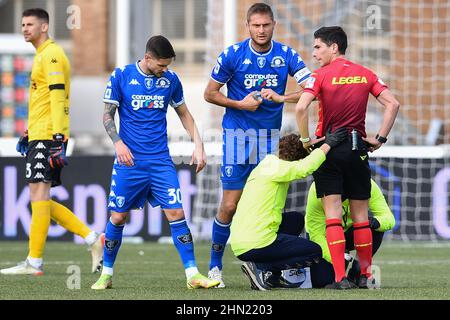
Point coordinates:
[[175, 195]]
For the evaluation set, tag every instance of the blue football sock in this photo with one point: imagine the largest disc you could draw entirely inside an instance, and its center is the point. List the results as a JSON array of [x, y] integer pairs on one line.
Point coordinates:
[[182, 239], [220, 235], [113, 240]]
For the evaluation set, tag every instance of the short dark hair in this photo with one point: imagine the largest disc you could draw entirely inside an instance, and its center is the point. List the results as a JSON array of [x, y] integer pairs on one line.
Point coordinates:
[[330, 35], [38, 13], [261, 8], [291, 148], [160, 47]]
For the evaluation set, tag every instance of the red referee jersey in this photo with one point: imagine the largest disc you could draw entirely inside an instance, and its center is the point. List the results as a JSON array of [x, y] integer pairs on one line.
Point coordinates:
[[343, 88]]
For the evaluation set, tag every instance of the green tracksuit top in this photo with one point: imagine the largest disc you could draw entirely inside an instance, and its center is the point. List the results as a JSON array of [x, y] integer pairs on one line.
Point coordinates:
[[259, 211]]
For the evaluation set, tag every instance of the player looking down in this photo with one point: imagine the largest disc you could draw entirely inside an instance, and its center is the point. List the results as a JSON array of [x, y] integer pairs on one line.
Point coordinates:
[[255, 72], [342, 88], [143, 169]]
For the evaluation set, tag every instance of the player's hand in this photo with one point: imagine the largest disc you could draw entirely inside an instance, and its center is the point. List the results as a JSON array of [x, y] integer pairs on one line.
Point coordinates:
[[316, 140], [22, 144], [269, 94], [335, 138], [123, 154], [198, 157], [373, 144], [252, 101], [57, 157], [373, 223]]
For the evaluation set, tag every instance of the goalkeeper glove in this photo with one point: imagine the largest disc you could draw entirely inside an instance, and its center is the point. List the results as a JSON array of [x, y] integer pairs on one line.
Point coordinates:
[[22, 144], [374, 223], [335, 138], [57, 158]]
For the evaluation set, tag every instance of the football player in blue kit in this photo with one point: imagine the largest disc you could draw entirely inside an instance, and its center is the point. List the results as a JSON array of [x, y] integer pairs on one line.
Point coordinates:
[[255, 72], [143, 169]]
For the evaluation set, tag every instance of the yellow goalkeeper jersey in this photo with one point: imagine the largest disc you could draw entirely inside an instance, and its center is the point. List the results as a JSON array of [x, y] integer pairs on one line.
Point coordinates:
[[48, 109]]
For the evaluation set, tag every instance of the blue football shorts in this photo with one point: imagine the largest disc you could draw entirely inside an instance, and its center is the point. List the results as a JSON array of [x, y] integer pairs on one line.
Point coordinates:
[[235, 176], [153, 180], [241, 154]]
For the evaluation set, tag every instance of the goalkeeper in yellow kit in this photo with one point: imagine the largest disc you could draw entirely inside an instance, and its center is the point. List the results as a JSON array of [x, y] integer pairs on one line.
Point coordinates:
[[44, 144]]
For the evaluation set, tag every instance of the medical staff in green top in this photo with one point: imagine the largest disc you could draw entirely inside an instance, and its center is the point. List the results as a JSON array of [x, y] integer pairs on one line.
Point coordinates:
[[381, 220], [257, 235]]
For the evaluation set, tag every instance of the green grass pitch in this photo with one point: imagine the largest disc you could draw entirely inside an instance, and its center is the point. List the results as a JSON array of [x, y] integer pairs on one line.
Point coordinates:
[[154, 271]]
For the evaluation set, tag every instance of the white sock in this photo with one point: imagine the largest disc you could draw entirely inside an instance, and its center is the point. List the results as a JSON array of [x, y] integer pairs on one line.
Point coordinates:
[[190, 272], [107, 270], [35, 262], [91, 238]]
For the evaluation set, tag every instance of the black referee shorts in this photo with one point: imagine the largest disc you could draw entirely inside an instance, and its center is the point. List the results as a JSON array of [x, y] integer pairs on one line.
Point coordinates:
[[345, 172], [38, 169]]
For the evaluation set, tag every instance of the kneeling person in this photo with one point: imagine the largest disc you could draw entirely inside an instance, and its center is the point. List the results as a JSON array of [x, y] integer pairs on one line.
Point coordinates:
[[380, 221], [256, 236]]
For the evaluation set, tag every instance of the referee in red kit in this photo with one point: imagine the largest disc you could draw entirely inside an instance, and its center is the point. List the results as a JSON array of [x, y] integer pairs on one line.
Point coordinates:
[[342, 88]]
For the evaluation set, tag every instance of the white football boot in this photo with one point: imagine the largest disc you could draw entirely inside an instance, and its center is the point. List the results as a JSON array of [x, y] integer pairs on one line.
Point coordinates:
[[97, 253], [23, 268], [216, 274]]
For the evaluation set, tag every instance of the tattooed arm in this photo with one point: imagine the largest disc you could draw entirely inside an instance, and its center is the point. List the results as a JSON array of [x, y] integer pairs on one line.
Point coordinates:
[[123, 154], [108, 121]]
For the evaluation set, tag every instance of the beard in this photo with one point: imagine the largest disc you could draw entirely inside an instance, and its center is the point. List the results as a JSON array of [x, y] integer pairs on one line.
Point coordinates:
[[262, 42]]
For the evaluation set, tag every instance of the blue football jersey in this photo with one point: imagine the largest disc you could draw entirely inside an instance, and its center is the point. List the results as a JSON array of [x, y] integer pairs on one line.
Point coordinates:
[[244, 70], [142, 102]]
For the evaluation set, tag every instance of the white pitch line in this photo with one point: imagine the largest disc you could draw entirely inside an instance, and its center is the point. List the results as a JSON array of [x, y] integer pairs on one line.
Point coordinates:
[[413, 262], [128, 262], [412, 244], [83, 262]]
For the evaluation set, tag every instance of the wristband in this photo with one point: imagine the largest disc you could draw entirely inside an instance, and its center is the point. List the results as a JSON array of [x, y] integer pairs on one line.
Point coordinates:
[[305, 140], [380, 138]]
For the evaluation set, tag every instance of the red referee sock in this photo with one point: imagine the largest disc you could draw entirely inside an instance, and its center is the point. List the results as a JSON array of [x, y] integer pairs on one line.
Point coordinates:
[[336, 244], [363, 245]]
